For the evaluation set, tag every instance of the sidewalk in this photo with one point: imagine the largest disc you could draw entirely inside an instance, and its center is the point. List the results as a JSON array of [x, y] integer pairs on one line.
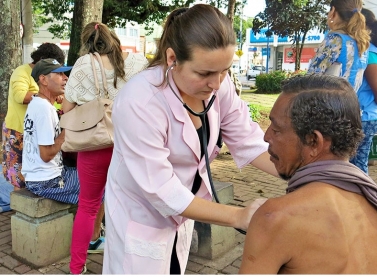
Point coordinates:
[[249, 184]]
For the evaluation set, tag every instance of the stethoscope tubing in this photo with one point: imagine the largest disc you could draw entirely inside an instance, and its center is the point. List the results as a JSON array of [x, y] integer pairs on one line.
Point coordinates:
[[201, 115]]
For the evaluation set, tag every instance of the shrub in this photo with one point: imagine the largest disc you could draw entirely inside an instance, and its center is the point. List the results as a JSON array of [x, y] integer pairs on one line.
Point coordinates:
[[270, 82], [254, 112], [290, 74]]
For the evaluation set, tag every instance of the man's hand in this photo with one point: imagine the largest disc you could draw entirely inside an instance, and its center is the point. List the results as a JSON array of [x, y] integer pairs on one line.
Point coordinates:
[[59, 99]]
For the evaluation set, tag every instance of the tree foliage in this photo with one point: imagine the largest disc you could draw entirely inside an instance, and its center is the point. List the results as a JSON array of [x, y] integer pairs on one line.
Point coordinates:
[[55, 12], [246, 24], [116, 13], [292, 18]]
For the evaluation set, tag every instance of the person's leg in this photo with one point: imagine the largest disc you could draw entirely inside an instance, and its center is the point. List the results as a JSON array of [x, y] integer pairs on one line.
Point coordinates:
[[97, 223], [5, 190], [12, 157], [92, 168], [64, 188]]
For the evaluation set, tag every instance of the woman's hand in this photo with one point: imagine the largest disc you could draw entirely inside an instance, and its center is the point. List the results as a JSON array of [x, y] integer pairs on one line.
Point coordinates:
[[247, 213], [225, 215]]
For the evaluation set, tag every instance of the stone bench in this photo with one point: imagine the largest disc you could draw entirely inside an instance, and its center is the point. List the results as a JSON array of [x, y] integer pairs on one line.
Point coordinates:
[[41, 228], [210, 241]]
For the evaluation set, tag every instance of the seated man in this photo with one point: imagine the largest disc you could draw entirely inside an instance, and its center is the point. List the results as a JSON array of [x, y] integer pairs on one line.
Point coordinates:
[[42, 163], [327, 222]]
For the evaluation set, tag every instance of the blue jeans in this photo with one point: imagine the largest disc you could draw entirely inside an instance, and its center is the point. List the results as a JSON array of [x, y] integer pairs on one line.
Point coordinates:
[[361, 158], [5, 189]]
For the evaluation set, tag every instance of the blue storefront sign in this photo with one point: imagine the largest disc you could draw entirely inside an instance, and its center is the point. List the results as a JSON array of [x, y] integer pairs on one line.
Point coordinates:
[[261, 37], [266, 52]]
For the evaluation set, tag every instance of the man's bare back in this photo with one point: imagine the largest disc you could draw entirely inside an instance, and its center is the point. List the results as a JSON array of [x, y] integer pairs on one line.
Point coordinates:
[[316, 229]]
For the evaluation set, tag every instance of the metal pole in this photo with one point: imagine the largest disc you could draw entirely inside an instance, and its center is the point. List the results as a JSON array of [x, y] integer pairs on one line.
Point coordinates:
[[268, 49]]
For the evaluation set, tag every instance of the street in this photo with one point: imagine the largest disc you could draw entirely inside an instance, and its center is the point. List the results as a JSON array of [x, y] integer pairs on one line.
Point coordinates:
[[245, 83]]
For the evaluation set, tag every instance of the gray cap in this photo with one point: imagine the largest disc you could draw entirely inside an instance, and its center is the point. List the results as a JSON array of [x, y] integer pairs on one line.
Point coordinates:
[[46, 66]]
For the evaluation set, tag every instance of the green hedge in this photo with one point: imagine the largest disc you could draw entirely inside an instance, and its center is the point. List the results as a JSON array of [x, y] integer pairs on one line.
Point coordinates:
[[270, 83]]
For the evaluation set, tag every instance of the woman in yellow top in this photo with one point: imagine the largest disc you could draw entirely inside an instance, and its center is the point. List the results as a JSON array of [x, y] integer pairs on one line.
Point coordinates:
[[21, 89]]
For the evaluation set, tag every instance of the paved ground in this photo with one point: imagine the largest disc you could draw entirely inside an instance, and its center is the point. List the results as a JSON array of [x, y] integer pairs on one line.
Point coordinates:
[[249, 184]]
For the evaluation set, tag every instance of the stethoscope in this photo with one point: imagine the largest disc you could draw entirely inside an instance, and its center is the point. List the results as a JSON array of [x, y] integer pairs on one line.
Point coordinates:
[[202, 116]]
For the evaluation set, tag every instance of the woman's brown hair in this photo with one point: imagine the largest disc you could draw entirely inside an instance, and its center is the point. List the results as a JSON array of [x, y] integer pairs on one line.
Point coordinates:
[[97, 37], [353, 22], [201, 26]]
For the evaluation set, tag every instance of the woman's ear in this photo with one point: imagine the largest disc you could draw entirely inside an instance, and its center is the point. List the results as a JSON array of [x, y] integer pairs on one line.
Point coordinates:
[[170, 56]]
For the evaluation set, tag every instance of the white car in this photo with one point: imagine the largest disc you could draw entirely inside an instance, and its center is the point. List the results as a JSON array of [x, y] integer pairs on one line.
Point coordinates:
[[254, 71]]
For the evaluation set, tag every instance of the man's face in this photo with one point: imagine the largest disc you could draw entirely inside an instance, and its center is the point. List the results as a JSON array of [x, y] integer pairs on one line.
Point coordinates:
[[285, 148], [56, 83]]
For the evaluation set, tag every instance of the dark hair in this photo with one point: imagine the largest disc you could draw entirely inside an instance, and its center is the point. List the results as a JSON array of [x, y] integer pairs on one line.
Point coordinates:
[[48, 51], [371, 23], [353, 22], [97, 37], [202, 26], [329, 105]]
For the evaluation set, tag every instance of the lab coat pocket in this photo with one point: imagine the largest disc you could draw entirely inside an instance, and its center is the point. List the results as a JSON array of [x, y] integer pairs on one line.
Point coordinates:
[[146, 249]]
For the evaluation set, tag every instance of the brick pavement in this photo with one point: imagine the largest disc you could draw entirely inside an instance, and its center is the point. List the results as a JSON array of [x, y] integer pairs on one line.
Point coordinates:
[[249, 184]]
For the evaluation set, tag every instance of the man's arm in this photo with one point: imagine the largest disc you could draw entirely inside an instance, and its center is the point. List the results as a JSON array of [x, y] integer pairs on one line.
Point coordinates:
[[264, 163], [48, 152], [267, 242]]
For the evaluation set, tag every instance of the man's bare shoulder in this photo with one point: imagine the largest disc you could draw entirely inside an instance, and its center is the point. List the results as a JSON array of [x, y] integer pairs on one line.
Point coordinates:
[[313, 224]]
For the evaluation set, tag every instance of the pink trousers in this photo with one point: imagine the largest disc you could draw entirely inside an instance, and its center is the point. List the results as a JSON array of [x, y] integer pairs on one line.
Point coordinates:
[[92, 169]]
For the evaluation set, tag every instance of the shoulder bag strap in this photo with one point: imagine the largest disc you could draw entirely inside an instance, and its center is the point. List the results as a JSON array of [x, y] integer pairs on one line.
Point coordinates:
[[95, 74], [104, 80]]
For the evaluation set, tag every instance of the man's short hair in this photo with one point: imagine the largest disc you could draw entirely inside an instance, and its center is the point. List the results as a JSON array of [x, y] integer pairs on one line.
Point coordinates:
[[46, 66], [329, 105]]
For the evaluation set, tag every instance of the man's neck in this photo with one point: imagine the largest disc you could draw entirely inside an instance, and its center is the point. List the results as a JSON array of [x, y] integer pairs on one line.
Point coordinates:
[[46, 95]]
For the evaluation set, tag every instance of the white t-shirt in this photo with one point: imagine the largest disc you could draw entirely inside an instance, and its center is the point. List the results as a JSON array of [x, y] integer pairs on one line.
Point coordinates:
[[41, 127]]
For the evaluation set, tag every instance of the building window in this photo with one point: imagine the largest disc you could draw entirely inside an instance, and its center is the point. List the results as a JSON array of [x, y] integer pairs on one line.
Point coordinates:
[[133, 32], [122, 31]]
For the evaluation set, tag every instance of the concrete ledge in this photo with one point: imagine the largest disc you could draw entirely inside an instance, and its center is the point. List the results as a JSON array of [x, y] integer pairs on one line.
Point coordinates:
[[210, 241], [41, 229], [32, 205]]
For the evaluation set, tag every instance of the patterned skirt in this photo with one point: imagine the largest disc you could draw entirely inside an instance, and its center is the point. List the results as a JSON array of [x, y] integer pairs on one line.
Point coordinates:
[[12, 156]]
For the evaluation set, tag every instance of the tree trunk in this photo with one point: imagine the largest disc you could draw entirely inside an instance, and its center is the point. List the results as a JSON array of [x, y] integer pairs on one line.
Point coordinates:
[[231, 8], [27, 22], [85, 11], [10, 48]]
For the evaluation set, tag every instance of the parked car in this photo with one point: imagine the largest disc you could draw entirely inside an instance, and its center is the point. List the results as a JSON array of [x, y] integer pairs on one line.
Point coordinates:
[[254, 71]]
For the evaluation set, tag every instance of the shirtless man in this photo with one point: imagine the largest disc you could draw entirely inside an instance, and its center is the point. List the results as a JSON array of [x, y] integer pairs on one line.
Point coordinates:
[[327, 222]]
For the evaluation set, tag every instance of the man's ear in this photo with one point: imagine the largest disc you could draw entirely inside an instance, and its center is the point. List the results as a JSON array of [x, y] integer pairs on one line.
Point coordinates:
[[42, 79], [317, 143], [170, 56]]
